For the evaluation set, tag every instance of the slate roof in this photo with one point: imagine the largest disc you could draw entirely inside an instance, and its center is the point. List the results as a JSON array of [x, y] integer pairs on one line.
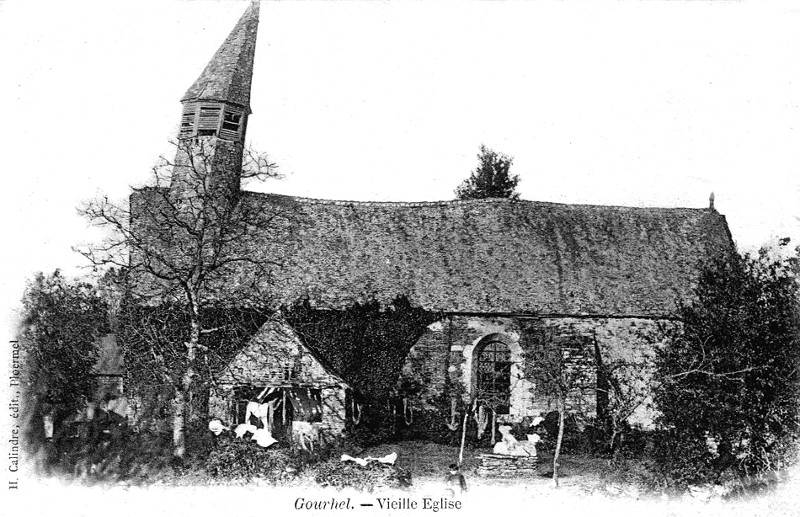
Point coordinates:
[[228, 75], [498, 255]]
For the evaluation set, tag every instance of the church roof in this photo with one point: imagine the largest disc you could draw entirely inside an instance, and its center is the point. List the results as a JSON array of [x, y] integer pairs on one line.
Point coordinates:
[[228, 75], [498, 255]]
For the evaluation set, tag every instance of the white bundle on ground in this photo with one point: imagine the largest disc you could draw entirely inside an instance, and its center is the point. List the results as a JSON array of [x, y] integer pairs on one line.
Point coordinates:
[[216, 426], [263, 438], [243, 429], [389, 459], [359, 461]]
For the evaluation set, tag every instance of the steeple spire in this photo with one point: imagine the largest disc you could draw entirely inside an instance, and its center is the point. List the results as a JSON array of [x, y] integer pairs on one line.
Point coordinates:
[[228, 76], [215, 112]]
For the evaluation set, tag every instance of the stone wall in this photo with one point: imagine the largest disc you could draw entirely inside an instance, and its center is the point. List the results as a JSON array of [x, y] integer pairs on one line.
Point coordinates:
[[500, 465], [627, 347], [441, 362]]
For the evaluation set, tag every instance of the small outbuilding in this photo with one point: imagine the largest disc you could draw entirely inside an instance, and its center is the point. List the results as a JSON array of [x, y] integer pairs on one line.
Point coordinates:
[[297, 395]]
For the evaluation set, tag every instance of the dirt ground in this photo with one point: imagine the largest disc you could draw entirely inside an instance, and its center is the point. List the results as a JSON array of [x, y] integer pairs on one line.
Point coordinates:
[[428, 463], [584, 489]]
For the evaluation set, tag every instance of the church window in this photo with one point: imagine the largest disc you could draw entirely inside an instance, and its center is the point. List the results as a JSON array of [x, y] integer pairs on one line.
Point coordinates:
[[494, 376]]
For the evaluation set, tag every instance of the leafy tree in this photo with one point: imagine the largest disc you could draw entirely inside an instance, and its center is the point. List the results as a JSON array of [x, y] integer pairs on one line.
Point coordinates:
[[62, 321], [491, 178], [183, 250], [729, 391]]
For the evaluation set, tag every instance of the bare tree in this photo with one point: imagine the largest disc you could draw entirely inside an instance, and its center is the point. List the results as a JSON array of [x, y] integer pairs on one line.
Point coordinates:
[[192, 242], [558, 378], [624, 386]]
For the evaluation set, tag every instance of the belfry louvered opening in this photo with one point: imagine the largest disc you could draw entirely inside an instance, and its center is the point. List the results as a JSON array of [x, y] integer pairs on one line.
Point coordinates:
[[231, 123], [208, 120], [225, 122], [187, 120]]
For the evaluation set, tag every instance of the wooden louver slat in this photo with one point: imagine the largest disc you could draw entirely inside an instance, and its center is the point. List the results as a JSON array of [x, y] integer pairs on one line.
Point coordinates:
[[209, 118], [187, 121]]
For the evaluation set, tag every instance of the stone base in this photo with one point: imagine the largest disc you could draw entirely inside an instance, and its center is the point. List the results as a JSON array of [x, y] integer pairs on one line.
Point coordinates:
[[501, 465]]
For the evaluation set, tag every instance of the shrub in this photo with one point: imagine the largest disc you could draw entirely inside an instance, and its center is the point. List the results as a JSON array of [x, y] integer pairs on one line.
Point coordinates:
[[243, 460], [575, 439], [429, 425], [98, 457], [61, 320], [729, 386], [339, 474]]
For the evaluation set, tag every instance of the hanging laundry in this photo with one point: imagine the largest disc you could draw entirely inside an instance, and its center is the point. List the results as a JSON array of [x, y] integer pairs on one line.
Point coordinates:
[[453, 423], [263, 412], [355, 410], [482, 419], [408, 412]]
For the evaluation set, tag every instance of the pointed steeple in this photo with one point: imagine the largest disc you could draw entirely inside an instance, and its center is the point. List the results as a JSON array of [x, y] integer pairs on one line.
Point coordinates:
[[215, 112], [228, 76]]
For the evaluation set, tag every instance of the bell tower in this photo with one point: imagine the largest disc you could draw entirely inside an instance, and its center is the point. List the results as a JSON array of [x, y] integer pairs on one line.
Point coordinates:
[[215, 112]]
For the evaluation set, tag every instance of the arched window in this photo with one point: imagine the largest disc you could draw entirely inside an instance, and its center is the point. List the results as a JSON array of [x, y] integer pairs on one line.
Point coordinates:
[[494, 376]]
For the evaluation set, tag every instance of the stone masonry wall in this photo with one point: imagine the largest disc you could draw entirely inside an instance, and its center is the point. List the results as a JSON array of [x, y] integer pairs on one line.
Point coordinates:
[[627, 347], [440, 363]]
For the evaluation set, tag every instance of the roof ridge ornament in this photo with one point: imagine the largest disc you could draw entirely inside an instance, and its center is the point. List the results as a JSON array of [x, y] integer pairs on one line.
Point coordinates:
[[711, 202]]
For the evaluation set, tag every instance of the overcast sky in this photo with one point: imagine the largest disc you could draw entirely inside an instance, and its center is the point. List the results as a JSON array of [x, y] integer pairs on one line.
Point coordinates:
[[623, 103]]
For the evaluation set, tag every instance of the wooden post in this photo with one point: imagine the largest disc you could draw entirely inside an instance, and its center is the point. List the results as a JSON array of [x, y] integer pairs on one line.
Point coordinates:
[[283, 406], [494, 424], [557, 452], [463, 437]]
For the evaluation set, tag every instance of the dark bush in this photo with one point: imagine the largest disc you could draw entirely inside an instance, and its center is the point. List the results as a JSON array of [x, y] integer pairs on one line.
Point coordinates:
[[430, 425], [243, 460], [374, 476], [82, 453], [376, 426], [728, 384], [577, 438]]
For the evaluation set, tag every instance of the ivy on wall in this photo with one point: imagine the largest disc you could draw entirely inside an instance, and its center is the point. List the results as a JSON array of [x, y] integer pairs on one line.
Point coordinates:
[[365, 344], [152, 340]]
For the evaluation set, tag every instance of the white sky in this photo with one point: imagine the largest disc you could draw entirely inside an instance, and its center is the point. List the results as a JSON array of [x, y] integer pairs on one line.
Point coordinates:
[[630, 103]]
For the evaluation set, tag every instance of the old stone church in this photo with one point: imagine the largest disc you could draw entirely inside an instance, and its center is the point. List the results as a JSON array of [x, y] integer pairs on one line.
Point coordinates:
[[500, 280]]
